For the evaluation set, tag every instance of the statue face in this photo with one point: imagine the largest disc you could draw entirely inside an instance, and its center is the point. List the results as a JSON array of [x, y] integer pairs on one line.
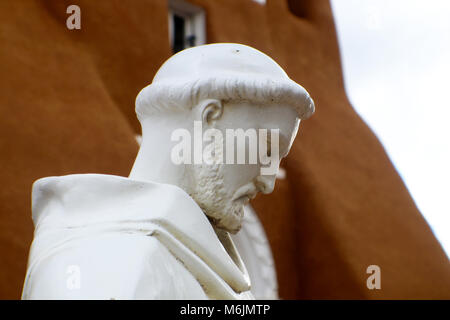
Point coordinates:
[[223, 189]]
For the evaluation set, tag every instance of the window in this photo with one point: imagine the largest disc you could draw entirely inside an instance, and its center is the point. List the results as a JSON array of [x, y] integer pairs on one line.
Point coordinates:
[[298, 8], [186, 25]]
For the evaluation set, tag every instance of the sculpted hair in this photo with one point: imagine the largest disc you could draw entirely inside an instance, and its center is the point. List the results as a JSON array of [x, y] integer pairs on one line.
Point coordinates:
[[163, 96]]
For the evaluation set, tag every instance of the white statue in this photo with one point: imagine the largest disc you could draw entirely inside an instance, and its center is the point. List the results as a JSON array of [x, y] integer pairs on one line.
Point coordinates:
[[163, 232]]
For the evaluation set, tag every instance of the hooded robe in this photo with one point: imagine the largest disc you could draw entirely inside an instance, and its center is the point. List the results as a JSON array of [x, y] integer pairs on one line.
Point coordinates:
[[109, 237]]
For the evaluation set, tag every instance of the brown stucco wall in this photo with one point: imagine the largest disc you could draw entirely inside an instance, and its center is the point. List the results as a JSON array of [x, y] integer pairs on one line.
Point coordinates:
[[67, 99]]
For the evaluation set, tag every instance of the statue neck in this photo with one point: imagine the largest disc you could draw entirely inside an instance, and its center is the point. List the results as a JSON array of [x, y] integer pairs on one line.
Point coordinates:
[[153, 162]]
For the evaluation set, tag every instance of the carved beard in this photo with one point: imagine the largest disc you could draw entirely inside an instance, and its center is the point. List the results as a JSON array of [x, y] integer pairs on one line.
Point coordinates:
[[214, 199]]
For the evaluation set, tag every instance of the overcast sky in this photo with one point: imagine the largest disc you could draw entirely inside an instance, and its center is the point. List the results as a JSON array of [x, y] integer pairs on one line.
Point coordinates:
[[396, 60]]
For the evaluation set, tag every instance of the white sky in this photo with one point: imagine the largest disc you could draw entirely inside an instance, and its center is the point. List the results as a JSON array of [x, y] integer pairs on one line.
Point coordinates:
[[396, 60]]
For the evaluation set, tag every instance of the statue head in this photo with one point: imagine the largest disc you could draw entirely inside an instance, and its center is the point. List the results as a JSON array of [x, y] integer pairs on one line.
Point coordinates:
[[225, 115]]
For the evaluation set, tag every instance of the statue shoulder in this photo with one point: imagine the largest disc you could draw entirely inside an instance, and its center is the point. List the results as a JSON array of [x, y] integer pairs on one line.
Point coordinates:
[[110, 267], [93, 239]]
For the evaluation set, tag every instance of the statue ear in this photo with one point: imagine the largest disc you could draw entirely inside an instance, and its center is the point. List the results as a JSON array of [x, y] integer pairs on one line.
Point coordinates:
[[211, 110]]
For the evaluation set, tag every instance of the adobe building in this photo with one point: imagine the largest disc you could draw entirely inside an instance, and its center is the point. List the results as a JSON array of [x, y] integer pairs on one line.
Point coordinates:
[[67, 99]]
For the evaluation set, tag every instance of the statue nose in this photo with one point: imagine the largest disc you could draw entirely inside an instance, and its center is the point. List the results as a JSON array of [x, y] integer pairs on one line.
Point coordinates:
[[265, 184]]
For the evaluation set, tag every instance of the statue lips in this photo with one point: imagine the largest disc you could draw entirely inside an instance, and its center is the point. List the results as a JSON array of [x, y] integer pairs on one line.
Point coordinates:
[[245, 198], [245, 193]]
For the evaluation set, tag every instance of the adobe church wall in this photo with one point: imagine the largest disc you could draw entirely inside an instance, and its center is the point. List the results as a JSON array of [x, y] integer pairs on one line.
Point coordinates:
[[69, 100]]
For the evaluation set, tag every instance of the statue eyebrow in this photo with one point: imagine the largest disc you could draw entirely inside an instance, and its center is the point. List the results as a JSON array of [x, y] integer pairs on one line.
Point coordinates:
[[282, 140]]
